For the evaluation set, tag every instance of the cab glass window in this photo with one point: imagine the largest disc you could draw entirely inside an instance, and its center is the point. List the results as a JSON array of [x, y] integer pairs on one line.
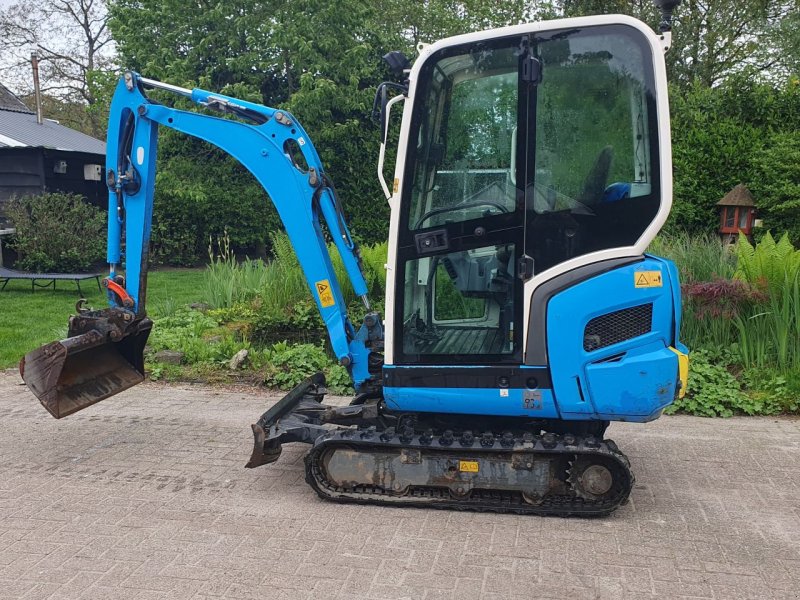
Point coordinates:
[[595, 183], [465, 137], [461, 303]]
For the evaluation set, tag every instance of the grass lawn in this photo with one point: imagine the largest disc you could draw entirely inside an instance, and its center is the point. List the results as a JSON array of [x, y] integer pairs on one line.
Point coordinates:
[[30, 319]]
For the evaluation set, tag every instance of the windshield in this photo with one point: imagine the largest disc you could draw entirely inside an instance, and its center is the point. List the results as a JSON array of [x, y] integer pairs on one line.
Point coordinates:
[[590, 121]]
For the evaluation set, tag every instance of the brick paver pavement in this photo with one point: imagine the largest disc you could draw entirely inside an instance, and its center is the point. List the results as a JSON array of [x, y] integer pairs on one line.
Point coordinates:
[[144, 496]]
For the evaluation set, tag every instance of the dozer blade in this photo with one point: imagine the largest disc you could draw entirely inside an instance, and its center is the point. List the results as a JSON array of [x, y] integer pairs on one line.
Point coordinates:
[[69, 375], [294, 418]]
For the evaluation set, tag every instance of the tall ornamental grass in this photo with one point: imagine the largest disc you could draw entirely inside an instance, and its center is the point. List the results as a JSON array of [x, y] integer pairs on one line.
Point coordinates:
[[280, 283], [710, 300], [699, 257], [228, 282], [285, 285]]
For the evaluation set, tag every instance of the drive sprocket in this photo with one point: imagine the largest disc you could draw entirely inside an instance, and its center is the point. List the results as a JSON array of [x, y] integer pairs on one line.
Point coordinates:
[[589, 479]]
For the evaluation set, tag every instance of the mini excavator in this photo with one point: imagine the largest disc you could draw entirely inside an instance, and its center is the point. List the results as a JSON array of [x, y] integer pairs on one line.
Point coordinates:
[[523, 313]]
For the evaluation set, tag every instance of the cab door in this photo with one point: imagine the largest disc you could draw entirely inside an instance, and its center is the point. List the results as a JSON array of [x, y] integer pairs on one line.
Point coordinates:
[[458, 295]]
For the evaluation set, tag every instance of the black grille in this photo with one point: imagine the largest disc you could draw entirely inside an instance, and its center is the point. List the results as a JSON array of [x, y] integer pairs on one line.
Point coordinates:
[[618, 326]]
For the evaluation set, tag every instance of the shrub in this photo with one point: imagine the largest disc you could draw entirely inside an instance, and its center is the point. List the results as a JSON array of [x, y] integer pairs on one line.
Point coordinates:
[[291, 364], [770, 335], [278, 293], [713, 391], [773, 264], [284, 284], [200, 193], [183, 330], [711, 309], [197, 335], [772, 392], [57, 232], [374, 260], [338, 380], [777, 188], [298, 322]]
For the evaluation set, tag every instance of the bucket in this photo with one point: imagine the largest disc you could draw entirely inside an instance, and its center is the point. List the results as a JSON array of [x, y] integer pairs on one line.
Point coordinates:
[[74, 373]]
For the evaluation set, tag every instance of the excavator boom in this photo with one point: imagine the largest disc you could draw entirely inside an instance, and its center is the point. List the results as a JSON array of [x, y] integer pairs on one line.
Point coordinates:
[[103, 353]]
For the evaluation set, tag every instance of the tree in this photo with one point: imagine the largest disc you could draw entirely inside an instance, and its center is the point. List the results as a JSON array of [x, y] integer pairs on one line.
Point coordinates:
[[74, 46], [637, 8], [429, 20], [717, 38], [318, 59], [786, 40], [712, 39]]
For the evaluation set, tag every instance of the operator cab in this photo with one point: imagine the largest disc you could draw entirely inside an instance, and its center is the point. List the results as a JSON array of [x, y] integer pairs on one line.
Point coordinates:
[[525, 153]]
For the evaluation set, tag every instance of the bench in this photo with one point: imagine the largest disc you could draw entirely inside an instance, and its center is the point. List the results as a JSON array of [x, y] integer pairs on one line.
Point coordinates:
[[7, 275]]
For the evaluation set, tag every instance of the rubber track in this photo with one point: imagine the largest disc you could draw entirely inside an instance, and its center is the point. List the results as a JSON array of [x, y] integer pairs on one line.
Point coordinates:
[[501, 501]]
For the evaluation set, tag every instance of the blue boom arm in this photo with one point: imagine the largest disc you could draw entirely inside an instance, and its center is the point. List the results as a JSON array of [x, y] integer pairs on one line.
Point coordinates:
[[270, 146]]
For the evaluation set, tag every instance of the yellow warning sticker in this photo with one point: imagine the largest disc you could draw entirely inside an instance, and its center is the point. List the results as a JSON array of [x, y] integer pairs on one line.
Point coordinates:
[[647, 279], [468, 466], [324, 292], [396, 187]]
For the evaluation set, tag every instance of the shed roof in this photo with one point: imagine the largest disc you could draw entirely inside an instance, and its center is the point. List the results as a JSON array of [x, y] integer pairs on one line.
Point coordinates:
[[21, 129], [9, 101], [738, 196]]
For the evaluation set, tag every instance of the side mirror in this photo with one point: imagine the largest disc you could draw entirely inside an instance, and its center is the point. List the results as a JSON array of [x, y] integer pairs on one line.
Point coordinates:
[[399, 65], [397, 61], [669, 5], [666, 7]]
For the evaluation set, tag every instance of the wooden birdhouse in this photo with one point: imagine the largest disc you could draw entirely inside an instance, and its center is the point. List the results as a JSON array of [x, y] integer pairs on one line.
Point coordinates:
[[737, 213]]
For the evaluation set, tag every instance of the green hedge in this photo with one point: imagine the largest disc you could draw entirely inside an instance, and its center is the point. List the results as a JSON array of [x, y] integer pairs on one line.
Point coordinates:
[[739, 132], [57, 232]]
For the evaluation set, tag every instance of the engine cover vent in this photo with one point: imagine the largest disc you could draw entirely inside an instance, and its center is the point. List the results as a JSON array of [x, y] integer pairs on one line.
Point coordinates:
[[618, 326]]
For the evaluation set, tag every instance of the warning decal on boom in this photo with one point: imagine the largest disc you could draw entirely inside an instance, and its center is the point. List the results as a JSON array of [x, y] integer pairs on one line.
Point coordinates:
[[324, 292], [647, 279]]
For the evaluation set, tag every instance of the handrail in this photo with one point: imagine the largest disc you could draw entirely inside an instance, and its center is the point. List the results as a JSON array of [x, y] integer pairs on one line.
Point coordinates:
[[382, 153]]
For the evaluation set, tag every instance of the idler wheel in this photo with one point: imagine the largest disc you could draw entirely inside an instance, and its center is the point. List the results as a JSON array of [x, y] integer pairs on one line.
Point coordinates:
[[590, 481]]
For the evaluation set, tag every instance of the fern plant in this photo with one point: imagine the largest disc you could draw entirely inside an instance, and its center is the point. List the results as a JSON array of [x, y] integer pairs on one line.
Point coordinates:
[[770, 335], [771, 264]]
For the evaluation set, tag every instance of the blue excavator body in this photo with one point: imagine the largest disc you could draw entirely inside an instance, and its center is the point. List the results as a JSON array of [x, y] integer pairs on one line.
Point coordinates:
[[523, 312], [615, 362]]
